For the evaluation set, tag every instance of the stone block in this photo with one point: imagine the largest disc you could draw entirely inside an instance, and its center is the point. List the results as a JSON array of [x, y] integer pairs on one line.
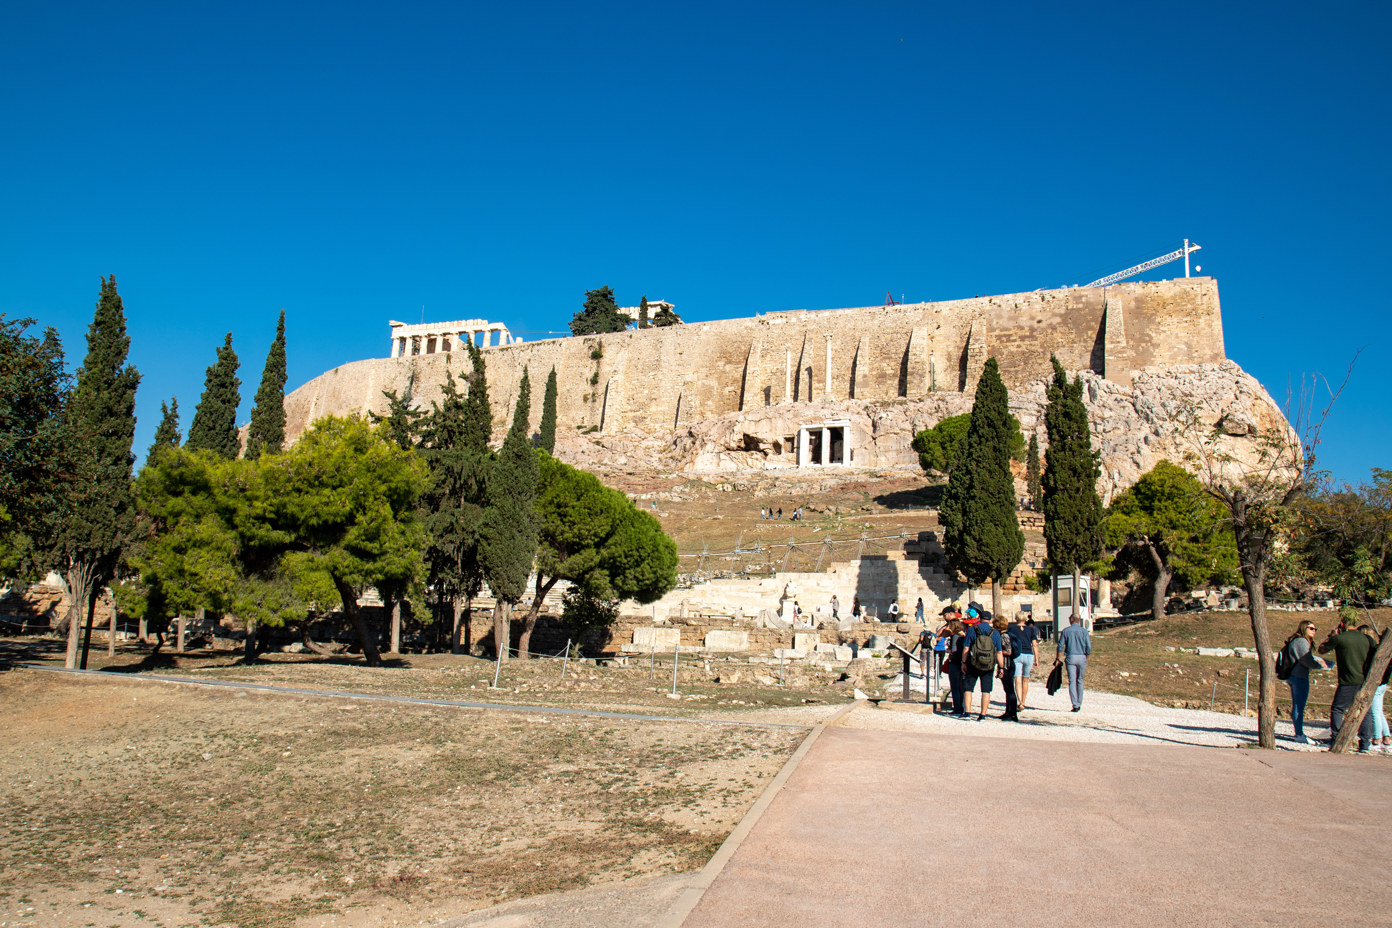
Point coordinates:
[[789, 654], [806, 641], [844, 652], [822, 648], [879, 642], [1215, 652], [727, 639], [659, 639]]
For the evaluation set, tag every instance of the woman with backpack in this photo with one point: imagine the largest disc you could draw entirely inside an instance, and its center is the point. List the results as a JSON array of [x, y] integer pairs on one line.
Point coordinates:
[[1296, 660], [956, 645]]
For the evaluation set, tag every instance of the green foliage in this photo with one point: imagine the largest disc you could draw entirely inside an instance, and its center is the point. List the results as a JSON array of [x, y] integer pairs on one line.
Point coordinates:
[[167, 435], [508, 540], [666, 316], [546, 437], [1343, 538], [35, 441], [982, 535], [1178, 526], [478, 418], [400, 425], [937, 447], [643, 312], [582, 611], [458, 460], [214, 426], [1072, 510], [1033, 487], [266, 435], [596, 538], [599, 314]]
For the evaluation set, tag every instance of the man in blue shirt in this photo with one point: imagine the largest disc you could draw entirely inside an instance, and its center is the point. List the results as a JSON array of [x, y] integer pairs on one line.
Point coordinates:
[[1074, 646]]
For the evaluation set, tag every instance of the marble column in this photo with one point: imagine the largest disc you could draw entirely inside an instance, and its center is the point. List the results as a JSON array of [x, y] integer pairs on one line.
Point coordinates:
[[802, 454], [396, 347], [828, 372], [826, 436]]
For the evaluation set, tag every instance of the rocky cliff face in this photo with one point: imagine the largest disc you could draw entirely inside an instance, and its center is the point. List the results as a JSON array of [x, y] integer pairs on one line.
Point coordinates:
[[1163, 414]]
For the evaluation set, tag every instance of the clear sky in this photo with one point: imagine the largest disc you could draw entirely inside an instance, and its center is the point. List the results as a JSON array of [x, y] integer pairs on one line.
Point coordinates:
[[359, 162]]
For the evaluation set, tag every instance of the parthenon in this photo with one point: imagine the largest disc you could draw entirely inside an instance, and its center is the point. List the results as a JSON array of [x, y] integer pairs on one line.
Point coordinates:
[[431, 337]]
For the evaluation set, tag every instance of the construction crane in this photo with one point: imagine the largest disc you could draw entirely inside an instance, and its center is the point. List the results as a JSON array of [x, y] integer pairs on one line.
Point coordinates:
[[1188, 249], [890, 300]]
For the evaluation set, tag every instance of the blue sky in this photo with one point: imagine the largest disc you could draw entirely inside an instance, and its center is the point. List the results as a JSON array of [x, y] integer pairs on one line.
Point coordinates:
[[360, 162]]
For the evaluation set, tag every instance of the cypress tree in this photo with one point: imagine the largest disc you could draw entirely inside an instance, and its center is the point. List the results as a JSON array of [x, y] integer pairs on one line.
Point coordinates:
[[214, 426], [478, 413], [546, 440], [167, 435], [1032, 486], [267, 432], [509, 534], [981, 533], [643, 312], [1072, 510], [96, 519]]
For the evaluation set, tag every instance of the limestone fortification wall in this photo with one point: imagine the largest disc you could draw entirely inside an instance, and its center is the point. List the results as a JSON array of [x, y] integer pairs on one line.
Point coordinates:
[[659, 380]]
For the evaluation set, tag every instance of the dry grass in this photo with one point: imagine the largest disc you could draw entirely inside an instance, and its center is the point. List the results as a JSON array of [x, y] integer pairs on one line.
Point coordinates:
[[125, 803]]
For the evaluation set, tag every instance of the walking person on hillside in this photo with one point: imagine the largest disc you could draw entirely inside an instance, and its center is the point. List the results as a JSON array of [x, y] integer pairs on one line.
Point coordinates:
[[1074, 646], [1300, 653], [1026, 641], [918, 612], [1353, 652], [835, 608], [981, 657]]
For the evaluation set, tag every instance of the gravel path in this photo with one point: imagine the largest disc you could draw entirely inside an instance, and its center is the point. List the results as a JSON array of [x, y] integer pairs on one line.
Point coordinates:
[[1106, 718]]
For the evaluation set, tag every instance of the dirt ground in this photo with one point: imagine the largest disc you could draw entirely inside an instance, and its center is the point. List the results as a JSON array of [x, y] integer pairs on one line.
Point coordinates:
[[138, 803]]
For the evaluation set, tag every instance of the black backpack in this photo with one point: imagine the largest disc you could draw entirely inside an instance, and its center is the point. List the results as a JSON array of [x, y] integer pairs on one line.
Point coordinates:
[[982, 658], [1285, 664]]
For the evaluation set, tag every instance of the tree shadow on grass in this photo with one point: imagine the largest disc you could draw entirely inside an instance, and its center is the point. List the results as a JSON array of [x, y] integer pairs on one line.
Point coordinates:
[[929, 497]]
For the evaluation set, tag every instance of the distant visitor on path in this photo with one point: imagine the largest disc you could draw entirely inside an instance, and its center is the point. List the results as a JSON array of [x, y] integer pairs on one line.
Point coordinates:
[[763, 512], [918, 612], [835, 608], [780, 513], [1074, 646], [893, 612], [1026, 650], [981, 658], [1297, 659], [855, 607]]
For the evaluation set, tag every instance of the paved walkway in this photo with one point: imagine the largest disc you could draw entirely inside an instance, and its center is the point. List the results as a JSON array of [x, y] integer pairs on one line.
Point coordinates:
[[878, 828]]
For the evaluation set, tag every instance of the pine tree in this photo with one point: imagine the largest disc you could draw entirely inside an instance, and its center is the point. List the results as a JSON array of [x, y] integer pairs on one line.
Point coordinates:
[[167, 435], [1032, 486], [1072, 510], [980, 530], [267, 431], [509, 535], [546, 439], [643, 312], [214, 426], [400, 424], [666, 316], [599, 314], [478, 413], [95, 521]]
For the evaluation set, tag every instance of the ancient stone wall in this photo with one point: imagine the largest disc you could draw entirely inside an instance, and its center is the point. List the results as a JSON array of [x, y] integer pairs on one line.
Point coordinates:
[[660, 379]]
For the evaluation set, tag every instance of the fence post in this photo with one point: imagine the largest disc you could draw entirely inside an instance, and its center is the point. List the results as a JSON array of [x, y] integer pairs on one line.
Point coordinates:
[[652, 662], [780, 670], [565, 661], [676, 659], [1246, 686], [497, 666], [1212, 696]]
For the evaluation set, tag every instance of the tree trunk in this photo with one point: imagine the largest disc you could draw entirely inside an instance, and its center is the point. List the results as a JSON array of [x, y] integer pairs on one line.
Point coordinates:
[[354, 614], [87, 626], [529, 623], [1163, 574], [249, 652], [1078, 598], [183, 634], [1254, 579], [111, 631], [310, 643], [456, 629], [502, 629], [1353, 716], [995, 597], [144, 632], [396, 626], [79, 580], [468, 623]]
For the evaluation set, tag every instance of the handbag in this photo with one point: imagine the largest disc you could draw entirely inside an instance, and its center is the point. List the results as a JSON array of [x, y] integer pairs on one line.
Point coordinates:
[[1055, 681]]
